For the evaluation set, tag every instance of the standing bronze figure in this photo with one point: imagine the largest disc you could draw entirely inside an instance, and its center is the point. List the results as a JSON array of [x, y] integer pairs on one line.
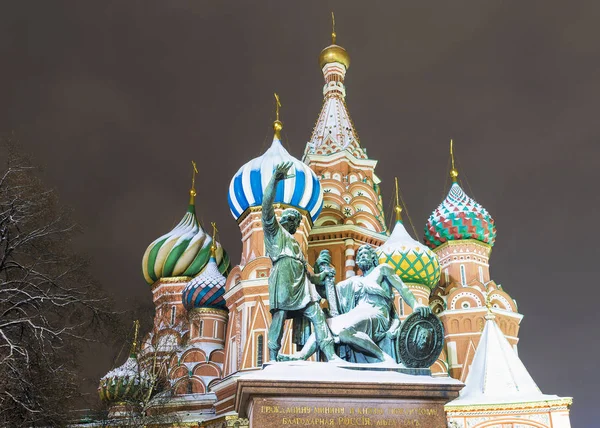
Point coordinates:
[[292, 292]]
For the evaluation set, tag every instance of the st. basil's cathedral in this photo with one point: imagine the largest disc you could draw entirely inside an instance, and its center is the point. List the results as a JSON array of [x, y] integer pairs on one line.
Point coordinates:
[[212, 317]]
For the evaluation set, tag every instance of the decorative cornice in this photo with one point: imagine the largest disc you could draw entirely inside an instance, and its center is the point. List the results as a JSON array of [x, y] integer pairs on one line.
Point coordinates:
[[459, 242], [344, 231], [326, 161], [277, 206], [546, 404], [171, 280], [213, 311]]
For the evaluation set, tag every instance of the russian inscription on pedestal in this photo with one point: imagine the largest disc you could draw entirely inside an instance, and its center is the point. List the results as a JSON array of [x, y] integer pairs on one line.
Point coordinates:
[[305, 412]]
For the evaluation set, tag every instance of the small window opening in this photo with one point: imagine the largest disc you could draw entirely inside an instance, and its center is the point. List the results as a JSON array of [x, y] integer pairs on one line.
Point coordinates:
[[259, 350], [463, 275]]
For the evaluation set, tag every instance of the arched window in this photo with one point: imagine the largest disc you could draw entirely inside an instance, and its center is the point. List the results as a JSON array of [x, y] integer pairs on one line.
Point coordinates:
[[173, 312], [201, 329], [463, 275], [401, 306], [259, 350], [190, 387]]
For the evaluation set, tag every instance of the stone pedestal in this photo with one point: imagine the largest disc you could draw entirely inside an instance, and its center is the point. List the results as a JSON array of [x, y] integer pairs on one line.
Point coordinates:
[[323, 394]]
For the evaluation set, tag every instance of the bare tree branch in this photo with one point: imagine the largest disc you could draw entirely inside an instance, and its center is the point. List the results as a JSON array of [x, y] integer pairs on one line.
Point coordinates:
[[49, 304]]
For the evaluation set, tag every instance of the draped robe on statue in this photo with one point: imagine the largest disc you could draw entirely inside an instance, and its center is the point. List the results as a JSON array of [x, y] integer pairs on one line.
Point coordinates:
[[367, 307], [289, 286]]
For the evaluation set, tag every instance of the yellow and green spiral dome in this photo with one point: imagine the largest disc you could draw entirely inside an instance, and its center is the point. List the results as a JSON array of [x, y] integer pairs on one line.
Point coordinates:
[[412, 261]]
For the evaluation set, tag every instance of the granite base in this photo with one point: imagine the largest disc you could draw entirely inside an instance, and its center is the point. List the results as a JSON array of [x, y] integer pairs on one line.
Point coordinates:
[[310, 394]]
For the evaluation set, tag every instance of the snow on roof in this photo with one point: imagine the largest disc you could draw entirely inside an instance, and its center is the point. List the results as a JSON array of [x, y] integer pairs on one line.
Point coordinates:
[[129, 369], [497, 375]]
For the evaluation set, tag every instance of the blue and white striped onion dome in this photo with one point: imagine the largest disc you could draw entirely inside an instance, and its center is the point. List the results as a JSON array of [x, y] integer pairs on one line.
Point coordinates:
[[206, 290], [303, 191], [184, 251]]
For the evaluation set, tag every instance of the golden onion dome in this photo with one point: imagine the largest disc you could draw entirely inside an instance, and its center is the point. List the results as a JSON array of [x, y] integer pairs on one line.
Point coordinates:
[[334, 53]]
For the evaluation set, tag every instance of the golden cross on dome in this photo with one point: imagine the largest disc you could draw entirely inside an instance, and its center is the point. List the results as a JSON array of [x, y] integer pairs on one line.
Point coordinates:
[[193, 189], [398, 208], [453, 171], [136, 327], [277, 125], [213, 245], [277, 105], [333, 35], [215, 230]]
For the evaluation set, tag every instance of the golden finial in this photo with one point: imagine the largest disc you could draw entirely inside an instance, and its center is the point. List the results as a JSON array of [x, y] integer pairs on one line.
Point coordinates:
[[488, 305], [334, 53], [213, 245], [453, 171], [277, 125], [398, 208], [333, 35], [136, 327], [193, 189]]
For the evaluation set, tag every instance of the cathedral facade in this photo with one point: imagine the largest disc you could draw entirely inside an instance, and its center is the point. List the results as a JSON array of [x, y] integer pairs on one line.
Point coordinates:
[[212, 317]]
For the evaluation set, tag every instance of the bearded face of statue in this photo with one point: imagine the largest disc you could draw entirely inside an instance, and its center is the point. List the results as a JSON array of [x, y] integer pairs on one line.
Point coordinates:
[[366, 258], [290, 220]]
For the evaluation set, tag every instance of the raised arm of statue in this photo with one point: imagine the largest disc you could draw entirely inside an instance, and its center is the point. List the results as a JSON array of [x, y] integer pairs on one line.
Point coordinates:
[[394, 280], [268, 211]]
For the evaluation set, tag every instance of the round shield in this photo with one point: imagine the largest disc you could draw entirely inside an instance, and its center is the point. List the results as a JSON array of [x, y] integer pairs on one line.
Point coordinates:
[[420, 340]]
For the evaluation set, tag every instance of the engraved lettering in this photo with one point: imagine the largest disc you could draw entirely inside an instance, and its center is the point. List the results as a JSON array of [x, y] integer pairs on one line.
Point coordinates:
[[359, 421]]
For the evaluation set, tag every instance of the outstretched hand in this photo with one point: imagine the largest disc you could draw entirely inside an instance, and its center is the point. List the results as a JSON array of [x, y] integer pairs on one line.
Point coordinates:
[[423, 310], [392, 333], [281, 171]]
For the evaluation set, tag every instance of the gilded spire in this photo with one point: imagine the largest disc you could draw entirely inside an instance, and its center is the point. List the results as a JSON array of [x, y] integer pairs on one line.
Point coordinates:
[[277, 125], [213, 245], [333, 35], [398, 208], [193, 189], [136, 327], [453, 171]]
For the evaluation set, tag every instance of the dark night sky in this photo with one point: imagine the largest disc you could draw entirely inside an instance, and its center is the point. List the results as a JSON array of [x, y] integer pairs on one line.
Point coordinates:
[[115, 98]]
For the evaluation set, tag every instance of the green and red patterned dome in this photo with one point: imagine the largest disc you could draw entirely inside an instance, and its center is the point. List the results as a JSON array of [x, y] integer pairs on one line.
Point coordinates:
[[459, 217]]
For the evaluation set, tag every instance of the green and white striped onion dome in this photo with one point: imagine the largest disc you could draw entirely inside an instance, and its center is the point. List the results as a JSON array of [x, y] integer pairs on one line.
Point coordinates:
[[126, 383], [412, 261], [184, 251]]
